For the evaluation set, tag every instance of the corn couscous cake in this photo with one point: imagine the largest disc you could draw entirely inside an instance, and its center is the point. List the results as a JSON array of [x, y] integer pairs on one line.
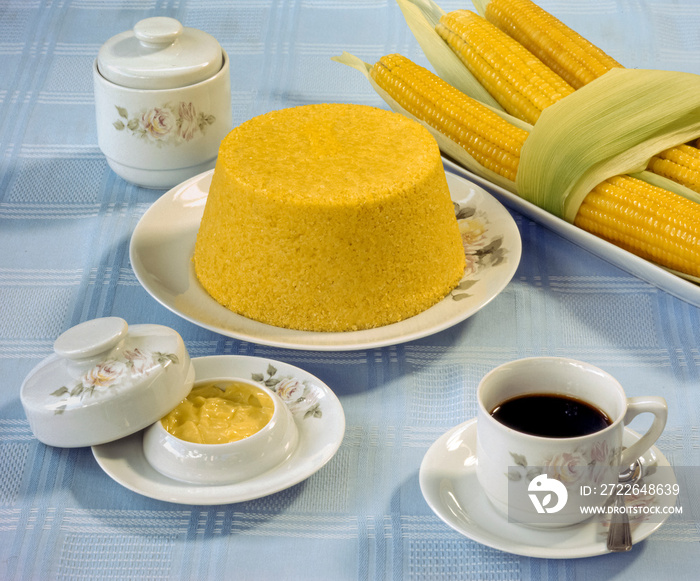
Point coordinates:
[[329, 217]]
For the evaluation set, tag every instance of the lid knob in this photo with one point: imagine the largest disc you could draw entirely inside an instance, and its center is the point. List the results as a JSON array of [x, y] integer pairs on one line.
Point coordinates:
[[91, 338], [157, 32]]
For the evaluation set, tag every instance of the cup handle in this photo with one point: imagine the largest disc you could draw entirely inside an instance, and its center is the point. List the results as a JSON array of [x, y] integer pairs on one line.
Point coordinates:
[[639, 405]]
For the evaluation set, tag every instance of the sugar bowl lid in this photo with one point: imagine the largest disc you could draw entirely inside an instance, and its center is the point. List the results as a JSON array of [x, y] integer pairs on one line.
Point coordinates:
[[105, 381], [159, 53]]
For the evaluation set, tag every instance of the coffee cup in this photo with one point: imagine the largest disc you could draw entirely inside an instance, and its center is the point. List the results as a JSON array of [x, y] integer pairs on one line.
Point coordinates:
[[550, 438]]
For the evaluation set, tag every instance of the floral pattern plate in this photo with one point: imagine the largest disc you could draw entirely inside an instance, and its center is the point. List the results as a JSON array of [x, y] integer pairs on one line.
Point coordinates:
[[163, 242], [316, 409], [450, 487]]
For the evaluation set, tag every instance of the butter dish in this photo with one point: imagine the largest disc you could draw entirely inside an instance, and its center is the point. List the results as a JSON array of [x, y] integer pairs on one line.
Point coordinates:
[[106, 380]]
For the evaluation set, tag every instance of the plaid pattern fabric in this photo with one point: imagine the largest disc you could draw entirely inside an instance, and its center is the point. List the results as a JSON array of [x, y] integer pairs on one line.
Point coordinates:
[[65, 226]]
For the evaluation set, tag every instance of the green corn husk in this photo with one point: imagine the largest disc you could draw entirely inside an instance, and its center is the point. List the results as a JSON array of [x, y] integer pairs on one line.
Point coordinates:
[[612, 126], [422, 16], [480, 6]]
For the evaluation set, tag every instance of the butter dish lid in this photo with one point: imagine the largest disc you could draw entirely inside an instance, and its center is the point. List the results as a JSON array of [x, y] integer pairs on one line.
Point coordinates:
[[159, 53], [105, 381]]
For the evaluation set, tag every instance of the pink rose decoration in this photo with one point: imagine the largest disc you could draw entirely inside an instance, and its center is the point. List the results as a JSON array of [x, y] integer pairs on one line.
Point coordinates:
[[471, 264], [290, 389], [158, 122], [140, 362], [600, 452], [104, 374], [188, 121], [567, 467]]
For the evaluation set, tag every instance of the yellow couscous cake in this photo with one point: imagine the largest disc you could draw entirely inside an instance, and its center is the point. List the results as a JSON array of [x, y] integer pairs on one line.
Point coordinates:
[[329, 218]]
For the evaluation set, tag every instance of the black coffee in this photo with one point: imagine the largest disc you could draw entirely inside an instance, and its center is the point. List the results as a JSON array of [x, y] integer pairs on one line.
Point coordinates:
[[551, 416]]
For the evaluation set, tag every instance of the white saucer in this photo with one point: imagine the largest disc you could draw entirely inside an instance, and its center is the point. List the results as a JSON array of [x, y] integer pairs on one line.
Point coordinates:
[[316, 409], [161, 256], [450, 487]]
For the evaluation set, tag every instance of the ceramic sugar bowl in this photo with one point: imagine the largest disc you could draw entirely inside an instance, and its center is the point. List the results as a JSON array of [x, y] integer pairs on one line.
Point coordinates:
[[162, 102]]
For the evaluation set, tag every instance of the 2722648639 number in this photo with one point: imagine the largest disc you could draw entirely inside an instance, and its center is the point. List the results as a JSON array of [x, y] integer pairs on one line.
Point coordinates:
[[636, 489]]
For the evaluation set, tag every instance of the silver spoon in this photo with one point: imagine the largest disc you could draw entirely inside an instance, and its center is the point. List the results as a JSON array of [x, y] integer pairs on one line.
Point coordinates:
[[619, 534]]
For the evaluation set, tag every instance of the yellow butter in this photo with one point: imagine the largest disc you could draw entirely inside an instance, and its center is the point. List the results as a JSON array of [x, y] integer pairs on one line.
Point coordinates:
[[218, 413]]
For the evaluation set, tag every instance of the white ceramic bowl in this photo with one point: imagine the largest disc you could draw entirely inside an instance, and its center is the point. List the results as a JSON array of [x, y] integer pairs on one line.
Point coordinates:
[[217, 464]]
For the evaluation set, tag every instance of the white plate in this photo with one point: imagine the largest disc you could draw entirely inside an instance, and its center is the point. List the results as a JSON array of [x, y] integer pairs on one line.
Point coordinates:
[[643, 269], [163, 242], [450, 487], [315, 408]]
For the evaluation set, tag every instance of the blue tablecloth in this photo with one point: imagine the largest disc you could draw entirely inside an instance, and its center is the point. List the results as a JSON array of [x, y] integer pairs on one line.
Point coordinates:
[[65, 226]]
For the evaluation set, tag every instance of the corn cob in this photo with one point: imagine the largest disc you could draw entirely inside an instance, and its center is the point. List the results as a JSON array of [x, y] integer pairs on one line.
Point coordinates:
[[578, 62], [563, 50], [680, 164], [666, 232], [488, 138], [649, 221], [520, 82]]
